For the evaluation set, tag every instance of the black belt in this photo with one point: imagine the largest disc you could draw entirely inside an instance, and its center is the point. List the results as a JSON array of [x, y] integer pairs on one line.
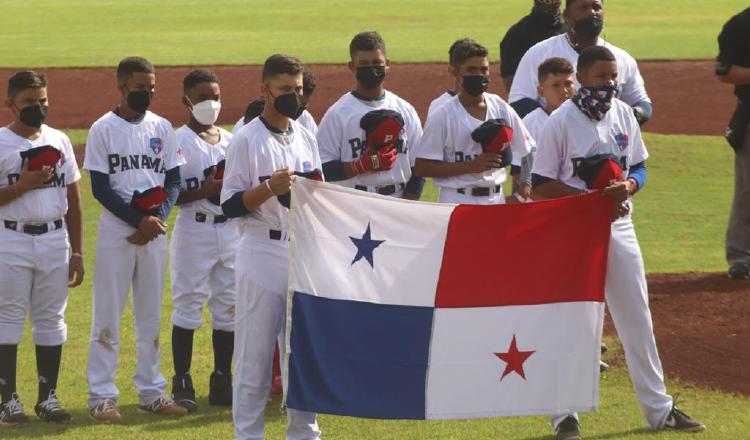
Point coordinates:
[[33, 229], [383, 190], [275, 234], [480, 191], [203, 218]]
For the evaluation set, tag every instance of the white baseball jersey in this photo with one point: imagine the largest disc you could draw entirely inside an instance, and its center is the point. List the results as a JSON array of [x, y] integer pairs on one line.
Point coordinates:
[[447, 137], [341, 138], [569, 136], [135, 155], [526, 80], [199, 155], [535, 121], [305, 119], [439, 101], [256, 151], [44, 204]]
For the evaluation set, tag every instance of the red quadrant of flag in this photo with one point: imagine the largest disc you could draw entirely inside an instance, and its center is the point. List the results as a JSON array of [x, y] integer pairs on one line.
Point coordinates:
[[521, 254]]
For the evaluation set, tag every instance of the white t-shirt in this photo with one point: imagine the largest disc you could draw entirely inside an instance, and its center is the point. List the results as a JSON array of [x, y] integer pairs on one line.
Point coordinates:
[[526, 79], [305, 119], [534, 122], [447, 137], [254, 153], [136, 156], [570, 136], [43, 204], [439, 101], [199, 155], [341, 138]]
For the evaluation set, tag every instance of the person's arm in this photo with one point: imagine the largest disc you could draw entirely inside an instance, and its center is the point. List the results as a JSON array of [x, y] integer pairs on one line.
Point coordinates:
[[414, 187], [172, 187], [244, 202], [211, 187], [438, 168], [28, 181], [736, 75], [638, 175], [643, 111], [148, 226], [545, 188], [74, 223]]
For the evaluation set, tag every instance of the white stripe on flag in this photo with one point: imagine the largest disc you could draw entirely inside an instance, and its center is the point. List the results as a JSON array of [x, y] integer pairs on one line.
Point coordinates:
[[465, 376], [406, 266]]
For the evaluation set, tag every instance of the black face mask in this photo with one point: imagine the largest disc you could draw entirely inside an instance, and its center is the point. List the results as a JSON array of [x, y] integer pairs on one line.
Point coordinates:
[[370, 77], [300, 111], [139, 100], [475, 85], [288, 105], [589, 27], [33, 115]]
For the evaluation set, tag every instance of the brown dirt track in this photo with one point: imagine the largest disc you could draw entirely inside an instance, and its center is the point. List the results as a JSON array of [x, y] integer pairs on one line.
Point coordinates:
[[701, 320]]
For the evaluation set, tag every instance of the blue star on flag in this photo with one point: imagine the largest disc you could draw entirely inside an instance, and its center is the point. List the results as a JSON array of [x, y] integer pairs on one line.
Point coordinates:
[[365, 247]]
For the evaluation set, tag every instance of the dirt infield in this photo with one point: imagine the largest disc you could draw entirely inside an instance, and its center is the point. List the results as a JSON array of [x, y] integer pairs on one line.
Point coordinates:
[[702, 328], [687, 97]]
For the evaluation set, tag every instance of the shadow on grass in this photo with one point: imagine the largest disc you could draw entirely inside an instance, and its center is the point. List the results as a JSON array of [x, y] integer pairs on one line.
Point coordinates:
[[609, 435], [207, 415]]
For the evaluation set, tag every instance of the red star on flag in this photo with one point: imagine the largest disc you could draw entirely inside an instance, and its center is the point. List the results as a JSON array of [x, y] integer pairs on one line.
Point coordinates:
[[514, 359]]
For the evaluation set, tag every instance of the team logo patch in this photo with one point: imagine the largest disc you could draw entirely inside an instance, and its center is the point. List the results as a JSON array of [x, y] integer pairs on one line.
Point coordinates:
[[307, 166], [622, 141], [156, 145]]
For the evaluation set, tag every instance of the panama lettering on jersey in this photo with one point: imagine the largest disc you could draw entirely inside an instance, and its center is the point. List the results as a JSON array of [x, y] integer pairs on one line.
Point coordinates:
[[50, 201], [567, 140], [254, 153], [135, 155], [526, 80], [447, 137], [200, 156], [341, 138]]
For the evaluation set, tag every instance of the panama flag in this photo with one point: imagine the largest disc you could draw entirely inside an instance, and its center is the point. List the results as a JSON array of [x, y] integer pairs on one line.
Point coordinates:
[[409, 310]]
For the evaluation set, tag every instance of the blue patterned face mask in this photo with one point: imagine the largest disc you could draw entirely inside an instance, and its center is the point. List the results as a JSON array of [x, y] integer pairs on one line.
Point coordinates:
[[595, 102]]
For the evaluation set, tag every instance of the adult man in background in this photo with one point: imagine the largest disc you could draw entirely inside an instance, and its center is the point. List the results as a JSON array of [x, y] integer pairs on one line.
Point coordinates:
[[544, 21], [733, 67]]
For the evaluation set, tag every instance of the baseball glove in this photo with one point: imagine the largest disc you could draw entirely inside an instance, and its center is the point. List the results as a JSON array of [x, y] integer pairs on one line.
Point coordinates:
[[218, 172], [149, 201], [382, 129]]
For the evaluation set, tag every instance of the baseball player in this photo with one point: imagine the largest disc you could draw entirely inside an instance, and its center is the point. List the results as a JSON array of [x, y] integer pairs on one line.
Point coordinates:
[[255, 108], [591, 142], [454, 149], [133, 161], [555, 87], [203, 245], [584, 22], [261, 160], [348, 157], [40, 223]]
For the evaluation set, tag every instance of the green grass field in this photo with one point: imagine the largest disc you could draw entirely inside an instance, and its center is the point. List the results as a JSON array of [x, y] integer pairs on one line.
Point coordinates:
[[47, 33], [680, 218]]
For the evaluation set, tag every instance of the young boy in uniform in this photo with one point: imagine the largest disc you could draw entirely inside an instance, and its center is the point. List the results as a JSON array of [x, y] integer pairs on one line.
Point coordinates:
[[40, 224], [555, 87], [366, 138], [134, 164], [468, 142], [261, 160], [593, 142], [204, 243]]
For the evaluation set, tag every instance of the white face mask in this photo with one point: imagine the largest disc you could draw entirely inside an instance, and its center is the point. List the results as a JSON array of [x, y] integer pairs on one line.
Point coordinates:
[[206, 112]]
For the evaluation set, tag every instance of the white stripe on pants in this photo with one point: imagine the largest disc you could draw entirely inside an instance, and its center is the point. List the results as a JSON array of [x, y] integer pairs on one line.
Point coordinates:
[[261, 272], [115, 269], [627, 300]]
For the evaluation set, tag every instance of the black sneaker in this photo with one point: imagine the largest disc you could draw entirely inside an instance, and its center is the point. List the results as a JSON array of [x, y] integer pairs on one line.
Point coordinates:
[[739, 272], [220, 389], [603, 366], [11, 412], [183, 393], [50, 410], [679, 421], [568, 429]]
